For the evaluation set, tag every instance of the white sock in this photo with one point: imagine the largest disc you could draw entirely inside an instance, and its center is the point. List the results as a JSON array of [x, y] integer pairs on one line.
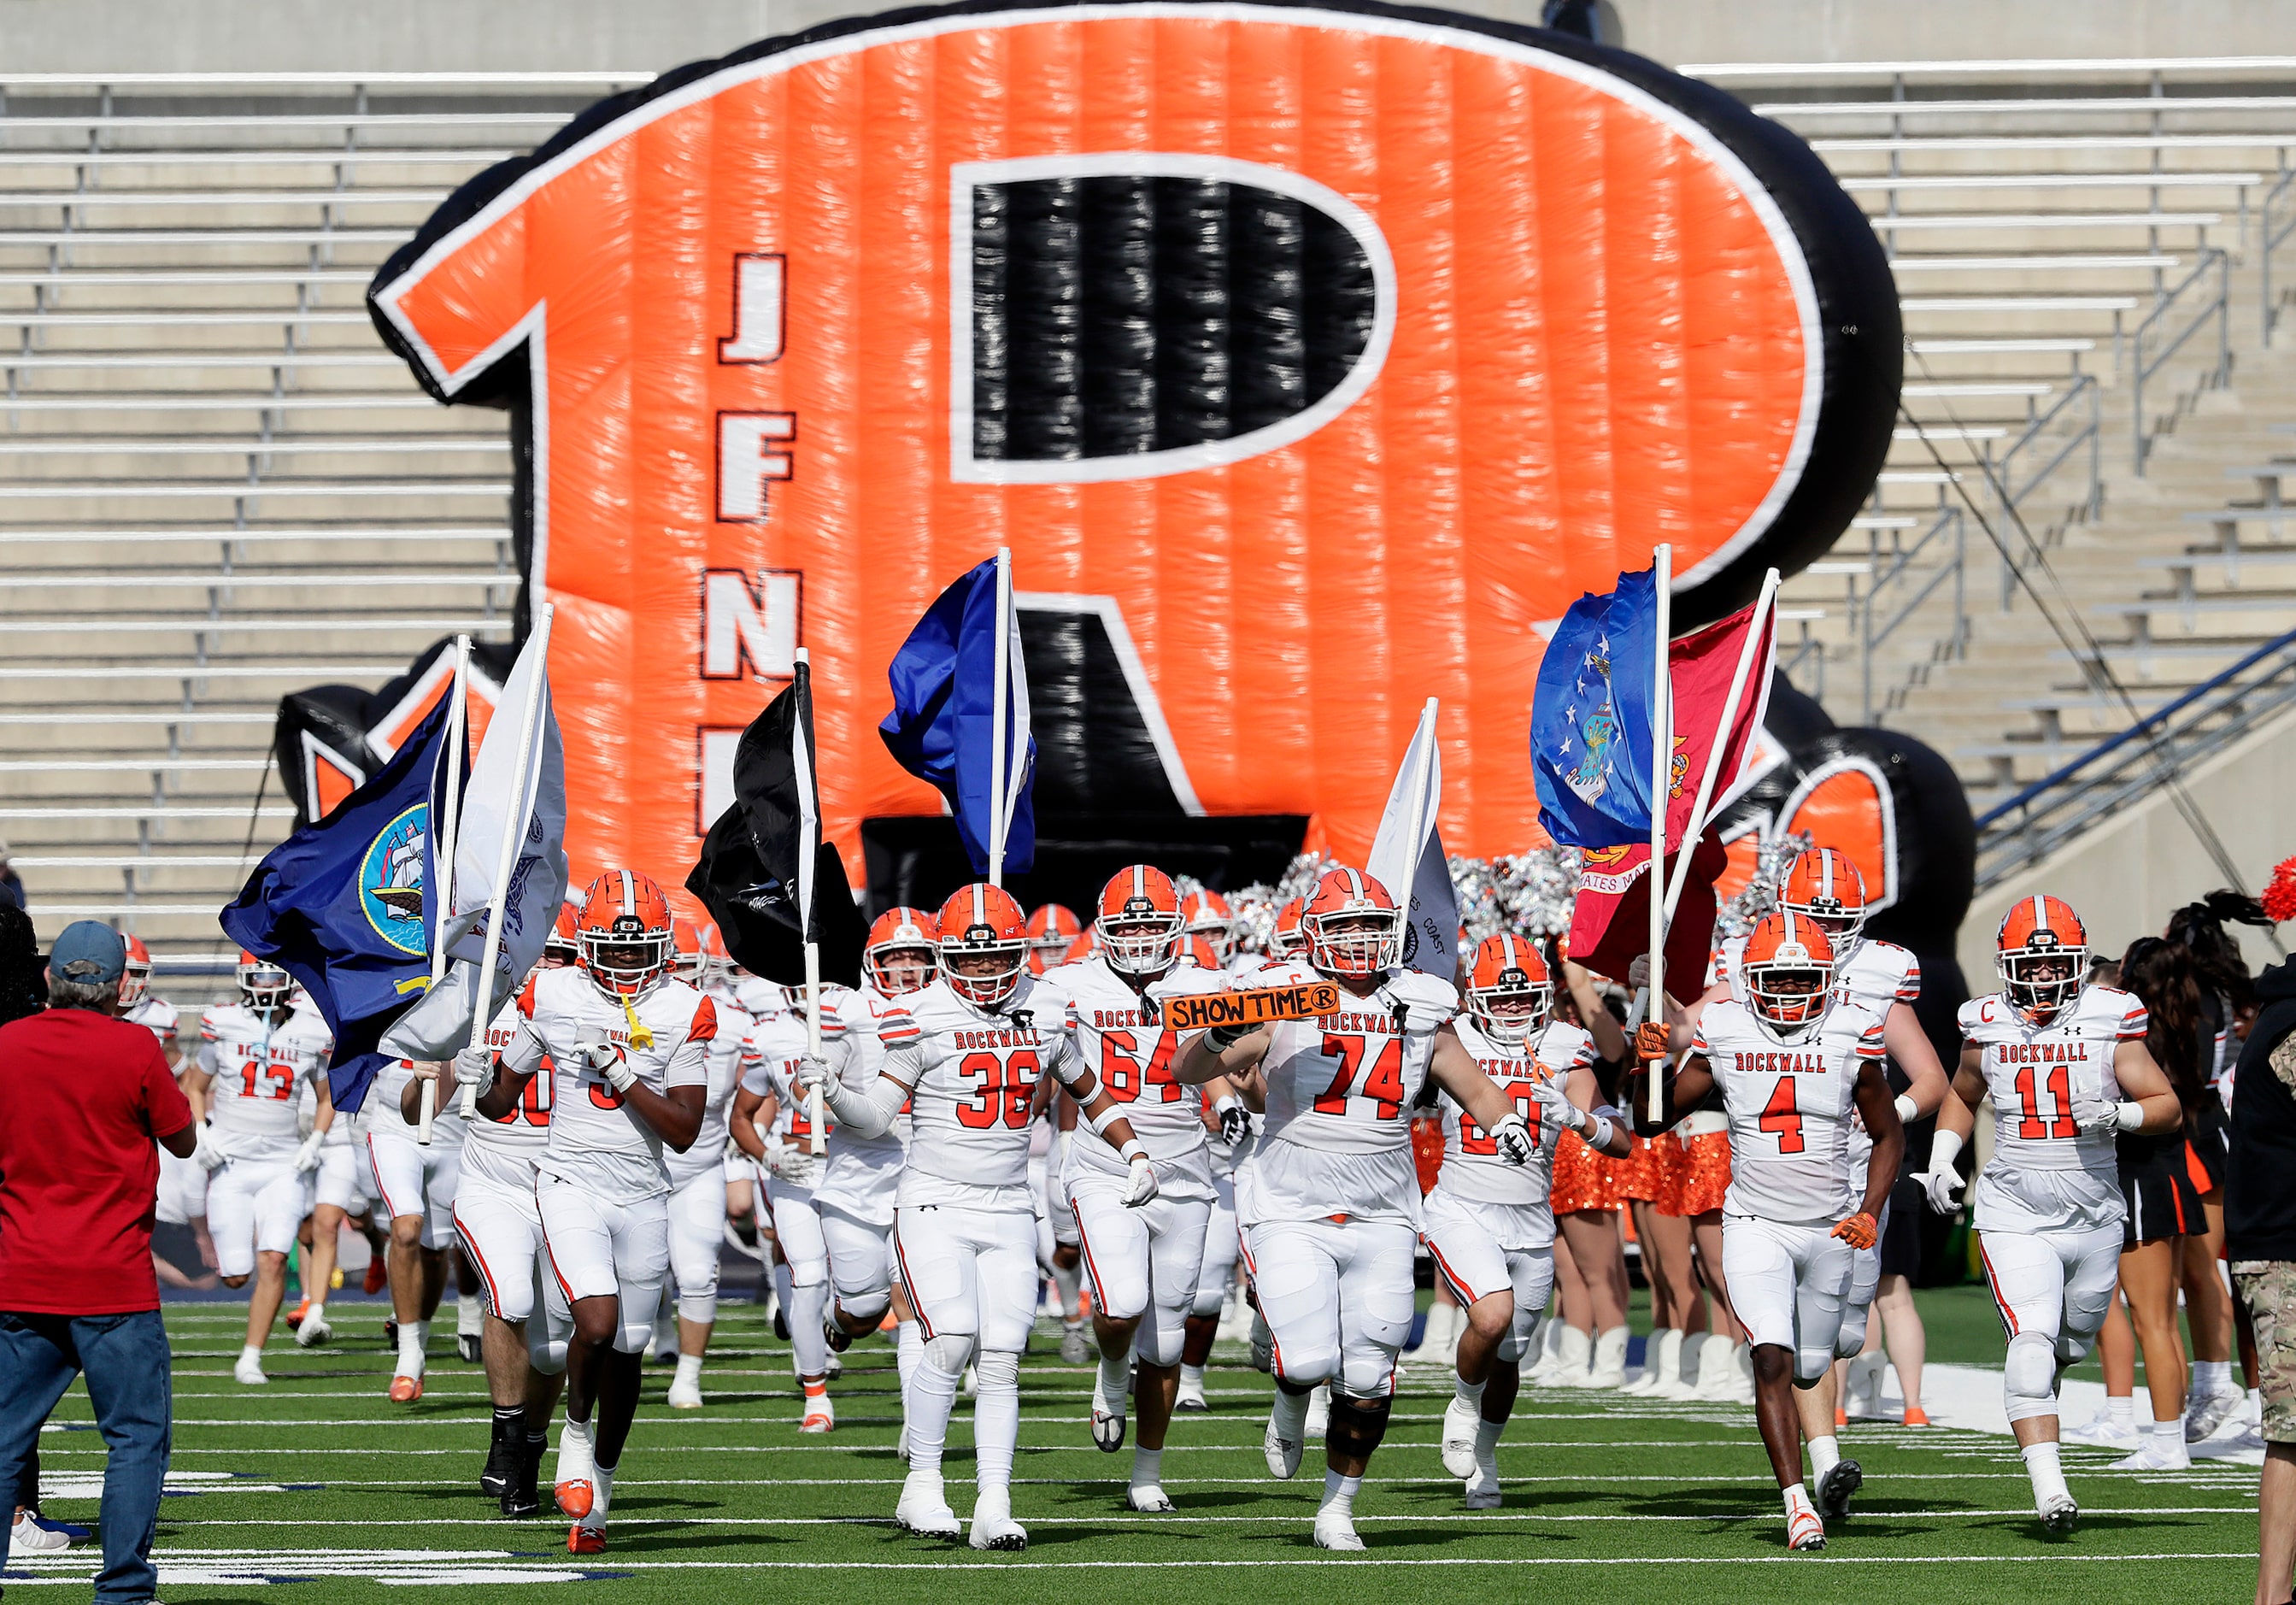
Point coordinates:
[[1147, 1465], [2122, 1412], [995, 1422], [1115, 1377], [249, 1352], [2210, 1377], [2042, 1466], [602, 1497], [1069, 1280], [413, 1338], [2169, 1434], [931, 1397], [318, 1311], [1486, 1440], [1289, 1415], [470, 1317], [809, 1344], [1338, 1495], [689, 1369], [1824, 1454], [1191, 1373], [1469, 1393], [908, 1350]]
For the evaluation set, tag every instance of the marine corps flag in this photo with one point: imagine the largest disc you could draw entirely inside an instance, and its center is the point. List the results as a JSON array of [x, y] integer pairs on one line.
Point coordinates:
[[766, 875]]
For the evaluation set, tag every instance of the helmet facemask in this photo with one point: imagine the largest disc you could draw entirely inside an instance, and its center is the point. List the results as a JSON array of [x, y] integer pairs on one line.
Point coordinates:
[[2038, 996], [263, 986], [1358, 944], [1511, 1012], [1140, 941], [900, 967], [1789, 991], [981, 969], [625, 962]]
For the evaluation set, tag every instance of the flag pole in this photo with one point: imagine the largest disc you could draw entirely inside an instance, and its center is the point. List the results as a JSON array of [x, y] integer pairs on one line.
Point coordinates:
[[1739, 677], [816, 1111], [528, 728], [443, 860], [1002, 690], [1662, 764]]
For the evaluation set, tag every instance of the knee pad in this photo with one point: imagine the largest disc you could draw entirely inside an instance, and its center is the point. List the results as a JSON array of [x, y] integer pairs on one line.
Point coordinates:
[[546, 1356], [1810, 1366], [1162, 1335], [1209, 1303], [1850, 1340], [997, 1370], [699, 1307], [808, 1273], [950, 1352], [634, 1335], [2028, 1376], [1521, 1336], [1356, 1425]]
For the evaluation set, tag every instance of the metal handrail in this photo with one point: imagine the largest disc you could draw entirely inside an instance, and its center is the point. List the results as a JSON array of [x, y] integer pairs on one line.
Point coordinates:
[[1953, 568], [2211, 258], [2182, 731], [2270, 240], [2097, 66]]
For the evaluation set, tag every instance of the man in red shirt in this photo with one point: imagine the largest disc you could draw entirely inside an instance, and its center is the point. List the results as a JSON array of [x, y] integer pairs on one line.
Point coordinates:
[[84, 1095]]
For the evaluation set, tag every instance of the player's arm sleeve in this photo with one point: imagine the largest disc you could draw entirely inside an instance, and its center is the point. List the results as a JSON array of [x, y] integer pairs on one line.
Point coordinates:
[[870, 1111], [523, 1057], [1909, 985]]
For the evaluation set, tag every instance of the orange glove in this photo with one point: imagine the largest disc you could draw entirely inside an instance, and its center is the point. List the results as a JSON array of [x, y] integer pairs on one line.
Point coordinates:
[[1651, 1041], [1859, 1230]]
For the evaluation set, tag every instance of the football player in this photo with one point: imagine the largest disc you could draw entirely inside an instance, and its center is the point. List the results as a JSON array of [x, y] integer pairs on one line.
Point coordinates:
[[1487, 1223], [1205, 913], [1331, 1224], [1142, 1259], [697, 1178], [2065, 1066], [627, 1042], [414, 1182], [1053, 930], [971, 1050], [1793, 1063], [254, 1057]]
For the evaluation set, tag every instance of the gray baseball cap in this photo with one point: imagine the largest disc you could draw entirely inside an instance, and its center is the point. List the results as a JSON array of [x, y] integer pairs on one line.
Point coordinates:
[[88, 951]]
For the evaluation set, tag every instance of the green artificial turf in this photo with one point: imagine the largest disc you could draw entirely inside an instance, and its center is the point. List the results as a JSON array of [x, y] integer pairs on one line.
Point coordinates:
[[316, 1488]]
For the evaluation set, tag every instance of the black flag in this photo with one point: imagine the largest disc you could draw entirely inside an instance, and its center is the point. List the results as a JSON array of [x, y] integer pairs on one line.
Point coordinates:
[[766, 875]]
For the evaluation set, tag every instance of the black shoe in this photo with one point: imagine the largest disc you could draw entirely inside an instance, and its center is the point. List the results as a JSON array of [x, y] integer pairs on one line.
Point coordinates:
[[1835, 1487], [390, 1333], [467, 1345], [781, 1323], [839, 1340], [502, 1468], [522, 1497]]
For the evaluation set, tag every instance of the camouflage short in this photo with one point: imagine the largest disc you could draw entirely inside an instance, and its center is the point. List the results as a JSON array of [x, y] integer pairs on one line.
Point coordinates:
[[2268, 1288]]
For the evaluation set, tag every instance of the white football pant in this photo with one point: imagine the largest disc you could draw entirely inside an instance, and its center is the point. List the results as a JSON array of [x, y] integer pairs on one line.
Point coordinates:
[[600, 1249], [412, 1179], [860, 1262], [697, 1231], [1788, 1285], [1223, 1242], [1338, 1296], [969, 1275], [1143, 1262], [339, 1182], [255, 1205], [2053, 1290], [1478, 1248]]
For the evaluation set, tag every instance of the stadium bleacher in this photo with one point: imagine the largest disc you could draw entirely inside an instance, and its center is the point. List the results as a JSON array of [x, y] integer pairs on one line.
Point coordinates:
[[216, 486]]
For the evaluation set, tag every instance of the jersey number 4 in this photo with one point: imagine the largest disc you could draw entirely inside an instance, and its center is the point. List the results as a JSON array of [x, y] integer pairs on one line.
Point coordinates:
[[1006, 1091], [1126, 1078], [1382, 1083], [2033, 1128], [1783, 1116]]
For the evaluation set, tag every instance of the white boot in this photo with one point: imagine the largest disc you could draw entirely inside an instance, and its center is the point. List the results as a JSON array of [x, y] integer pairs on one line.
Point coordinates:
[[1609, 1369], [1540, 1372], [1661, 1351], [1571, 1359], [1861, 1392], [1718, 1371], [1741, 1367], [1681, 1380]]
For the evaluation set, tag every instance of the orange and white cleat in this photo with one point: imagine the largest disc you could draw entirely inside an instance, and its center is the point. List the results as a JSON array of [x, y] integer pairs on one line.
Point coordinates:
[[589, 1534], [820, 1415], [377, 1276], [295, 1316], [576, 1496], [583, 1539], [1804, 1530], [406, 1390], [575, 1481], [1841, 1418]]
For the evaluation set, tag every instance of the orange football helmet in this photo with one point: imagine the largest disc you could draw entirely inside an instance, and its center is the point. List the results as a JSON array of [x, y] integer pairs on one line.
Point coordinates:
[[2040, 931], [1509, 972], [1139, 922], [1825, 888], [1083, 948], [263, 985], [1785, 944], [903, 952], [1374, 936], [625, 933], [981, 927], [1199, 951], [1205, 913], [686, 960], [1050, 928], [1287, 940], [563, 945], [135, 979]]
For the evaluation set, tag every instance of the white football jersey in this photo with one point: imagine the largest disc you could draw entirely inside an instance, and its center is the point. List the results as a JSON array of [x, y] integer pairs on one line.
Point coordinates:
[[770, 1052], [1123, 1038], [863, 1172], [973, 1075], [504, 1150], [1341, 1088], [595, 1140], [383, 1107], [259, 1070], [157, 1016], [1789, 1105], [2034, 1073], [1471, 1165], [722, 1065]]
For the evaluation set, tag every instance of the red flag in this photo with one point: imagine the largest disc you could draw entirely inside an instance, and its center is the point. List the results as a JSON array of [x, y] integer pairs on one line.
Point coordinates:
[[1700, 666], [1610, 924]]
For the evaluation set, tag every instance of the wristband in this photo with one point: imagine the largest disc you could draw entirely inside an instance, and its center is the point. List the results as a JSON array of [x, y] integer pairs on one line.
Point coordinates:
[[1906, 1109], [1945, 1147], [1221, 1109], [2129, 1115], [1133, 1151], [1221, 1038], [1600, 1137]]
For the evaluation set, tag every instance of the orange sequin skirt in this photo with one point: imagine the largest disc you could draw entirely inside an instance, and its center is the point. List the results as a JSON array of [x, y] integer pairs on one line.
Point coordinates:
[[1584, 1178]]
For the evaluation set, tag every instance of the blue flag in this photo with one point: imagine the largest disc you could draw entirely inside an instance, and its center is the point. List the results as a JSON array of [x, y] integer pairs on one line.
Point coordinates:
[[943, 699], [340, 906], [1590, 720]]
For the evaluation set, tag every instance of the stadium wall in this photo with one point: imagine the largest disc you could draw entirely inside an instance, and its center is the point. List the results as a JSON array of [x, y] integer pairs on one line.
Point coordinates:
[[412, 35]]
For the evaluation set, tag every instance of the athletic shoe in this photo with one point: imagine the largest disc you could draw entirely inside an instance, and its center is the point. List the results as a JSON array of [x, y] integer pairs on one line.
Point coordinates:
[[1804, 1530], [684, 1394], [924, 1508], [503, 1456], [295, 1316], [820, 1415], [2203, 1416], [1190, 1397], [1282, 1453], [2059, 1514], [25, 1536], [523, 1497], [1107, 1419], [248, 1371], [577, 1489], [466, 1348], [377, 1276], [1336, 1531], [1835, 1487], [581, 1540], [1149, 1499], [2155, 1456], [993, 1527], [781, 1323], [1319, 1409], [406, 1390], [311, 1334], [2102, 1432], [1915, 1416], [831, 1366], [390, 1333], [1074, 1349], [1482, 1493], [1459, 1421]]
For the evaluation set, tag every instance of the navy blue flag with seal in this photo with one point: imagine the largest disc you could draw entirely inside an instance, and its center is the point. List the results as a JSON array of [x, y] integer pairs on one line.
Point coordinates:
[[339, 906]]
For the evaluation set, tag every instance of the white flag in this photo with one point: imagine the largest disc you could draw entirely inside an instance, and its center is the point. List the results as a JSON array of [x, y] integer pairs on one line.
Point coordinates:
[[1407, 856], [499, 802]]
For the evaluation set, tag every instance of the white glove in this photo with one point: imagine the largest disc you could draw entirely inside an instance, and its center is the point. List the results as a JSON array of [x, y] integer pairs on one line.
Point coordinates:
[[789, 1161], [2103, 1116], [206, 1155], [1140, 1186], [1940, 1182], [1549, 1096], [1512, 1136], [306, 1157], [810, 1073], [475, 1071]]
